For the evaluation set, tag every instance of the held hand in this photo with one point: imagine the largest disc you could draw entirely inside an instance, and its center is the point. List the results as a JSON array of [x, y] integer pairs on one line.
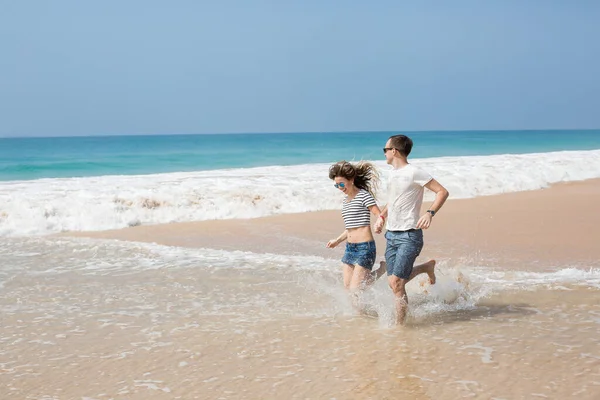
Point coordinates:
[[332, 243], [424, 221], [378, 227]]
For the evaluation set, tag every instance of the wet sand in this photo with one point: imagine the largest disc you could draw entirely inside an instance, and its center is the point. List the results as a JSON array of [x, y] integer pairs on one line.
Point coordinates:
[[97, 321]]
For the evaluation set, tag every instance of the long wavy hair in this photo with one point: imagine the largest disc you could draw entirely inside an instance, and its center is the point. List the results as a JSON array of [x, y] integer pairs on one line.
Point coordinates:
[[364, 174]]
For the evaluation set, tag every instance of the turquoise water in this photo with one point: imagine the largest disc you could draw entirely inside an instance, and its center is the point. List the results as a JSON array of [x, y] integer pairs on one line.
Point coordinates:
[[34, 158]]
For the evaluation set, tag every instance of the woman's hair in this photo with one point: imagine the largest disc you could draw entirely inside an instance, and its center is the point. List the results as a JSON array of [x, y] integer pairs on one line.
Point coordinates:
[[364, 174]]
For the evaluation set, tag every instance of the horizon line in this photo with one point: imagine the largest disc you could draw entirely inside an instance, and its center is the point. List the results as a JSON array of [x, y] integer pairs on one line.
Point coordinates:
[[294, 133]]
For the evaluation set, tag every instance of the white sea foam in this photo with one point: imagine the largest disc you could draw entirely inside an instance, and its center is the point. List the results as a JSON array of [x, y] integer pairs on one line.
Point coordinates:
[[96, 203], [555, 280], [458, 288], [106, 257]]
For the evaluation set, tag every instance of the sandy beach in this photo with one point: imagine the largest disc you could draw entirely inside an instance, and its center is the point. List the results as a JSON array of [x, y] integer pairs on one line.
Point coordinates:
[[246, 309], [535, 229]]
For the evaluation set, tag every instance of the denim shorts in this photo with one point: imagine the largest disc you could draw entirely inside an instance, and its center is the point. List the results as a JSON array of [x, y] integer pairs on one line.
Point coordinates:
[[362, 254], [403, 248]]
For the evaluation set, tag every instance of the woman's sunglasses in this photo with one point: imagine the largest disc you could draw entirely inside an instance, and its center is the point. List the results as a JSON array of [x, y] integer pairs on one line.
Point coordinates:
[[340, 185]]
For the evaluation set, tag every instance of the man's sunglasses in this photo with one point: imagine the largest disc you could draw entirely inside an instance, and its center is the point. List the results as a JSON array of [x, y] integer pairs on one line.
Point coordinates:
[[386, 149], [340, 185]]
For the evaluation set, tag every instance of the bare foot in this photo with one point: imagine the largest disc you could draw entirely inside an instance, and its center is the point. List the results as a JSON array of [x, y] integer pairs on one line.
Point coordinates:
[[367, 310], [380, 271], [430, 269]]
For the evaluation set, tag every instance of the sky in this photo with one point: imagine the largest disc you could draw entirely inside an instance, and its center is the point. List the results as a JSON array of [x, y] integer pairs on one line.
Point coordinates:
[[157, 67]]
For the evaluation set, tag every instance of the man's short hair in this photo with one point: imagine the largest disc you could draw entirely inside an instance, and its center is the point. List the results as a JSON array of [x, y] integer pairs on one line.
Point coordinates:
[[401, 143]]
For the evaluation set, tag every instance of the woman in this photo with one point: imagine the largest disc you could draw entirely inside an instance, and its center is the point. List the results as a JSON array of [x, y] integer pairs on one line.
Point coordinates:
[[357, 182]]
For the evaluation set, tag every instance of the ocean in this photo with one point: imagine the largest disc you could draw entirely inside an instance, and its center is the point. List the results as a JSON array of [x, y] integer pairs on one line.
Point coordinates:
[[100, 318], [68, 157], [50, 185]]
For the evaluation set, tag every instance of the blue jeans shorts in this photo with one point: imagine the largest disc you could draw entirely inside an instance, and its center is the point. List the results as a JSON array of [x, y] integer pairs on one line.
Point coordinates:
[[403, 248], [362, 254]]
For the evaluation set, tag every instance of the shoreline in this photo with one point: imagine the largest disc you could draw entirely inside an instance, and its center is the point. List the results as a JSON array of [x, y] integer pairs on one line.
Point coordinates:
[[539, 229]]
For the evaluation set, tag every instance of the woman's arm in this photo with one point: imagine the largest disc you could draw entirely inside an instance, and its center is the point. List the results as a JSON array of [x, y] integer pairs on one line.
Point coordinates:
[[334, 242], [381, 215]]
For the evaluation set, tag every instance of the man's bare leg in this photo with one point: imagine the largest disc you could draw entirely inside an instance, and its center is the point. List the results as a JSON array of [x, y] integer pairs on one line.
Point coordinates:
[[428, 268], [398, 286]]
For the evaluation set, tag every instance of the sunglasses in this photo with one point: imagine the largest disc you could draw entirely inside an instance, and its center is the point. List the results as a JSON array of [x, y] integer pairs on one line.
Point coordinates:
[[340, 185], [386, 149]]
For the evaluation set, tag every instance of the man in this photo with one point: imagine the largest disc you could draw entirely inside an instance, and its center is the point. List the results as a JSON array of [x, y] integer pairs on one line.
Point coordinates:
[[404, 223]]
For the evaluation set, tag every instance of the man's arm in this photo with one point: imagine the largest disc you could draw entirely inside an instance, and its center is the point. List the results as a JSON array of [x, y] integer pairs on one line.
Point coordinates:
[[441, 194]]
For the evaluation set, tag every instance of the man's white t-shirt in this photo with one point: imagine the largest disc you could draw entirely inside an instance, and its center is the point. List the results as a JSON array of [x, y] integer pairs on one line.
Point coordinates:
[[405, 196]]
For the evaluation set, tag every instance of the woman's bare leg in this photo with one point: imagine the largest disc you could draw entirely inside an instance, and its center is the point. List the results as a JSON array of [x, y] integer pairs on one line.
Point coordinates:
[[358, 284], [348, 270]]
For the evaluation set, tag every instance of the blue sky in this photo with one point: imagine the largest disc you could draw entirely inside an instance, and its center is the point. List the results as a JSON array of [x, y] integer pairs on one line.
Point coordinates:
[[149, 67]]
